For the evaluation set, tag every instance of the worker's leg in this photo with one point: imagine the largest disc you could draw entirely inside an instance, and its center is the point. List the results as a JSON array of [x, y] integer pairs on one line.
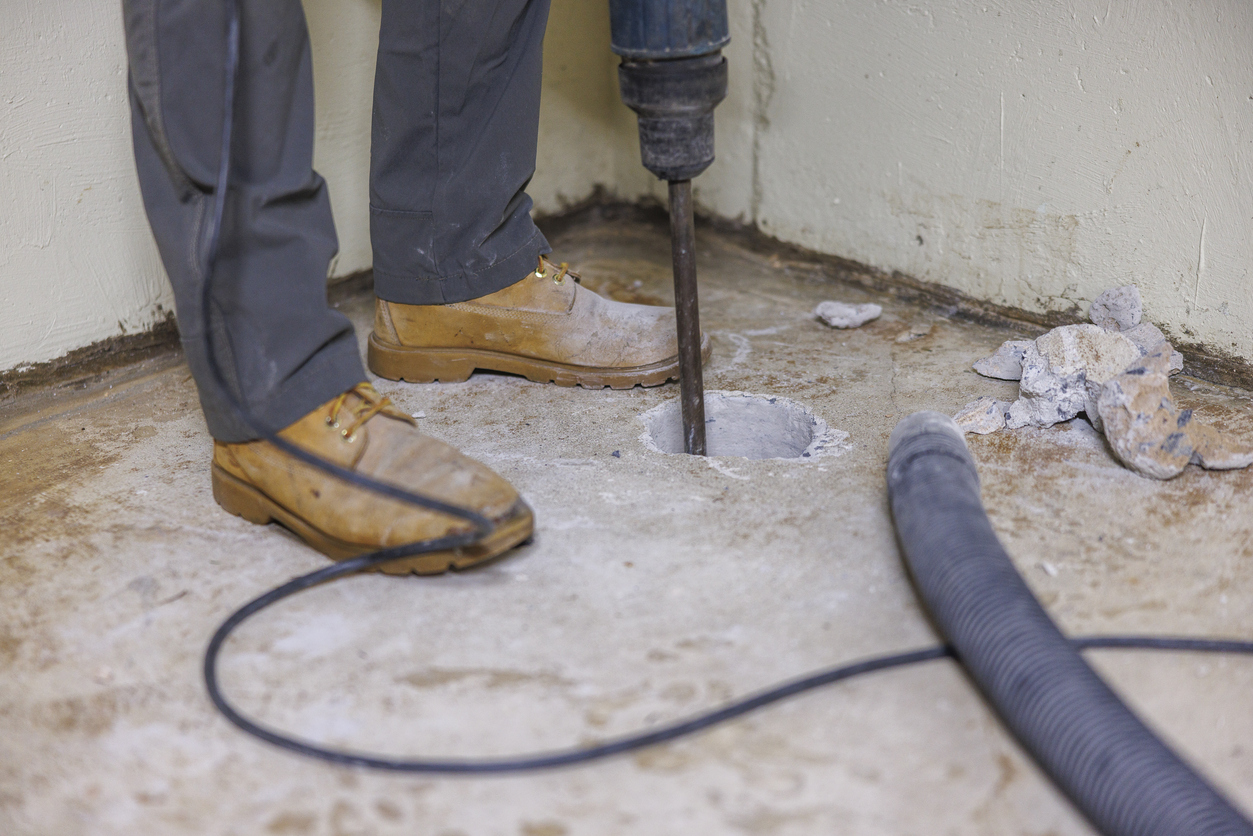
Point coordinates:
[[287, 356], [456, 114], [280, 346], [456, 117]]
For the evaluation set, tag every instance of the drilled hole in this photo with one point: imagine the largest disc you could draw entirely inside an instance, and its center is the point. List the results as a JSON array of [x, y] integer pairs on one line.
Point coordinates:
[[749, 426]]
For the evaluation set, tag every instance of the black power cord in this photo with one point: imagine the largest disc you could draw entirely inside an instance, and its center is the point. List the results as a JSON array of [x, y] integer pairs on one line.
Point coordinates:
[[481, 527], [628, 743]]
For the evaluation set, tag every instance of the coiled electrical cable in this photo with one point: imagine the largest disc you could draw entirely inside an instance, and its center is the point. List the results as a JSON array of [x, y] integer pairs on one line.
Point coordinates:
[[628, 743], [480, 527]]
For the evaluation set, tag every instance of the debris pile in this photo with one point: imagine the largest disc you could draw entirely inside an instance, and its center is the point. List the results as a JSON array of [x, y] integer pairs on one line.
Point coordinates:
[[1116, 372], [1063, 372]]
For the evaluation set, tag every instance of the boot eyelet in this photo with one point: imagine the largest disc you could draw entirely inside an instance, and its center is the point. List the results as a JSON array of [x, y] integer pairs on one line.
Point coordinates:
[[348, 439]]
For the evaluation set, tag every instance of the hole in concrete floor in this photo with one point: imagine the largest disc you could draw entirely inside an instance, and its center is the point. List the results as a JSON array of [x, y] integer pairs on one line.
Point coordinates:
[[740, 424]]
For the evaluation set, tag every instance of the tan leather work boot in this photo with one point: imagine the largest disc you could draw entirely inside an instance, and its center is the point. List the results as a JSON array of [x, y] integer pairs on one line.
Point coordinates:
[[546, 327], [362, 431]]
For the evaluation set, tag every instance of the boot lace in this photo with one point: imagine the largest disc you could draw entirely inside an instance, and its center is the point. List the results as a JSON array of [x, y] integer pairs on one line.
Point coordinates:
[[371, 404], [562, 270]]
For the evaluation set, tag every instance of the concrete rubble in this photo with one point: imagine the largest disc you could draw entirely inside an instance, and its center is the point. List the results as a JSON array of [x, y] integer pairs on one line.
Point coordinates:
[[1149, 338], [986, 415], [1063, 371], [1116, 372], [1006, 363], [1121, 310], [1117, 309], [843, 315], [1150, 435]]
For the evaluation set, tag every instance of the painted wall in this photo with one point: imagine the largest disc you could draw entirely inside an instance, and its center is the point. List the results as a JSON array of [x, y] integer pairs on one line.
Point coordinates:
[[1030, 154], [77, 263]]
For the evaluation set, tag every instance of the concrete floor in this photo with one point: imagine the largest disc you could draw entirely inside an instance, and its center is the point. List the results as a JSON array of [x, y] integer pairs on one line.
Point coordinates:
[[656, 586]]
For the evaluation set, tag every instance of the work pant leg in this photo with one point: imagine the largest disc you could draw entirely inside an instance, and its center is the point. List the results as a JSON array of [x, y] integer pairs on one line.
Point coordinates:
[[282, 350], [456, 115]]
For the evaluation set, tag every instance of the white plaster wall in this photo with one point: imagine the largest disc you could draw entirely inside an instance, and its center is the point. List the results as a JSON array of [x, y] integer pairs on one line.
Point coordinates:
[[77, 260], [1028, 153], [587, 137], [77, 263], [345, 38]]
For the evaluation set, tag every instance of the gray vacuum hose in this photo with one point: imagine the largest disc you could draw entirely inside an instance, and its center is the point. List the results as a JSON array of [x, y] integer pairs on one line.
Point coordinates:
[[1117, 772]]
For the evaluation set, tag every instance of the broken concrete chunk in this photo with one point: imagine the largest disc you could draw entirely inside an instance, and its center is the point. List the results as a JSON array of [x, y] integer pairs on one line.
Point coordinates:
[[1149, 338], [1006, 363], [1215, 450], [1045, 398], [986, 415], [1117, 309], [1073, 349], [841, 315], [1150, 435], [1146, 336], [1063, 372]]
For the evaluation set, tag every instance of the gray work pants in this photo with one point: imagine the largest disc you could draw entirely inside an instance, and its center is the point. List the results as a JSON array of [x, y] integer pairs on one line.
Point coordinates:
[[456, 114]]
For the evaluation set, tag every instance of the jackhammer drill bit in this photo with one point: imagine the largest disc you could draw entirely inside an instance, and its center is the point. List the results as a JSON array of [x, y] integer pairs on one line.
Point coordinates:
[[691, 376], [673, 75]]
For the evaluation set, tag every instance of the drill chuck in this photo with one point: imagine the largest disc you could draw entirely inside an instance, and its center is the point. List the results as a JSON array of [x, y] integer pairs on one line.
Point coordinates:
[[673, 75], [675, 100]]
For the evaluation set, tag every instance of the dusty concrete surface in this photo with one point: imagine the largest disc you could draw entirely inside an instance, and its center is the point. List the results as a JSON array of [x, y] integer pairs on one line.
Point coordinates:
[[657, 585]]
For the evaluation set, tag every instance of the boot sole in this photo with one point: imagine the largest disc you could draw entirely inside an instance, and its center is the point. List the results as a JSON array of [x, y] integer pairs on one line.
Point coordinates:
[[455, 365], [243, 500]]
